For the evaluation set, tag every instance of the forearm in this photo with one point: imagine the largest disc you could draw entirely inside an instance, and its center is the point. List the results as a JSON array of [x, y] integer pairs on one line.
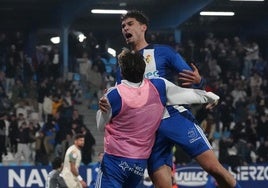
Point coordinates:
[[179, 95], [74, 171]]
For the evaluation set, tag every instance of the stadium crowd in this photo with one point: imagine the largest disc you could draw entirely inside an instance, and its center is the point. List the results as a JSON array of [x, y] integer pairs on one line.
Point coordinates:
[[37, 105]]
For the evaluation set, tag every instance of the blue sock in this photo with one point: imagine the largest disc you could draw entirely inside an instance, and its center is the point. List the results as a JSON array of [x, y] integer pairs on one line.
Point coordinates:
[[237, 185]]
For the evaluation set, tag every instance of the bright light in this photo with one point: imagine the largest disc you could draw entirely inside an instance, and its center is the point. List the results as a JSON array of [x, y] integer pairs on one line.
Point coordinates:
[[213, 13], [247, 0], [55, 40], [112, 52], [108, 11], [81, 37]]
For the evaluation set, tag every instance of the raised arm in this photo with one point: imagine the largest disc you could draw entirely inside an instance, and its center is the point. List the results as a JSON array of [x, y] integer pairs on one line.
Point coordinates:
[[179, 95]]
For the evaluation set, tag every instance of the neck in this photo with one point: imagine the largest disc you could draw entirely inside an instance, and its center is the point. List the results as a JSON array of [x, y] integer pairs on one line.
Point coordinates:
[[78, 147], [139, 45]]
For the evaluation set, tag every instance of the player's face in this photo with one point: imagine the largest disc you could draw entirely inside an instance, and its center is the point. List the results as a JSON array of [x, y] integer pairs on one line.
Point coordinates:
[[100, 157], [133, 31], [80, 142]]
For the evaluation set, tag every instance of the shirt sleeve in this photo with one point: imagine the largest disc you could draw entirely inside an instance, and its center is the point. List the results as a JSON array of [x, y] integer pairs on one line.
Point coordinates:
[[103, 118], [73, 156], [179, 95]]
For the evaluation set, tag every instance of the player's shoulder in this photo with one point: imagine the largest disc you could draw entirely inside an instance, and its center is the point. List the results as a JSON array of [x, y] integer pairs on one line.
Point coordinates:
[[74, 154], [157, 81], [163, 47], [112, 93], [111, 89]]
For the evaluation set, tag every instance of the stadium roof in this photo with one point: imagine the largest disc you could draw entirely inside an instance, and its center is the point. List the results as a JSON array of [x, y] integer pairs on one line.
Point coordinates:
[[32, 15]]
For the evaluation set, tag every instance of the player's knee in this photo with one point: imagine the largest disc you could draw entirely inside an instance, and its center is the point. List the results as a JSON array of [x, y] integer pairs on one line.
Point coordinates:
[[162, 177]]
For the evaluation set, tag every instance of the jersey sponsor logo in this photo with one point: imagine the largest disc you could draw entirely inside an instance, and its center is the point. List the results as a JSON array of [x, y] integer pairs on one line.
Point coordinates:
[[151, 74]]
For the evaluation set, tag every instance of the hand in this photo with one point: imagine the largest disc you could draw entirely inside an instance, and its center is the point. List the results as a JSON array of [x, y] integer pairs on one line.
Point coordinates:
[[211, 105], [190, 77], [83, 183], [103, 105]]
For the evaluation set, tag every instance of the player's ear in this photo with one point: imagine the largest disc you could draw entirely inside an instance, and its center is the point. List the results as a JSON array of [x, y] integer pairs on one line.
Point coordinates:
[[144, 27]]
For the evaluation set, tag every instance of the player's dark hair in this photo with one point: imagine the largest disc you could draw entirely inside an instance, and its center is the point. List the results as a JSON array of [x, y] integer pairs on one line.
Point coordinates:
[[56, 163], [132, 65], [138, 15], [79, 135]]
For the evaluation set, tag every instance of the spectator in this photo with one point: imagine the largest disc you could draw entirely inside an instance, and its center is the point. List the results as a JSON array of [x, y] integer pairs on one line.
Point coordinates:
[[252, 55], [77, 117], [50, 129], [255, 82], [41, 157], [18, 92], [84, 67], [262, 152], [66, 143], [56, 103], [33, 130], [225, 144], [12, 132], [2, 139], [54, 179], [243, 149], [95, 170], [23, 139], [10, 74], [87, 150], [99, 62], [47, 106], [95, 80], [41, 93]]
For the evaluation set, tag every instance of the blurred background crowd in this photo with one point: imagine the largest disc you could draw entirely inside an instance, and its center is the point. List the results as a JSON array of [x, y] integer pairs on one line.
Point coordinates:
[[38, 106]]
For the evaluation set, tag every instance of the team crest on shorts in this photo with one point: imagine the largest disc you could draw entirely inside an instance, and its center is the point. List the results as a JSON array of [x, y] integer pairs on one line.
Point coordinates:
[[192, 135]]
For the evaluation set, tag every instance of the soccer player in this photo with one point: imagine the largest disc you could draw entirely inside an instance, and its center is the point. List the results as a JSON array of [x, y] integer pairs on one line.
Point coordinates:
[[72, 160], [54, 178], [136, 109], [178, 125]]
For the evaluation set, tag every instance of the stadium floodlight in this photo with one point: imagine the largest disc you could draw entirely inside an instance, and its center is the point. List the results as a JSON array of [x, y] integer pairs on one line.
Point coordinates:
[[55, 40], [108, 11], [111, 51], [216, 13], [81, 37]]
